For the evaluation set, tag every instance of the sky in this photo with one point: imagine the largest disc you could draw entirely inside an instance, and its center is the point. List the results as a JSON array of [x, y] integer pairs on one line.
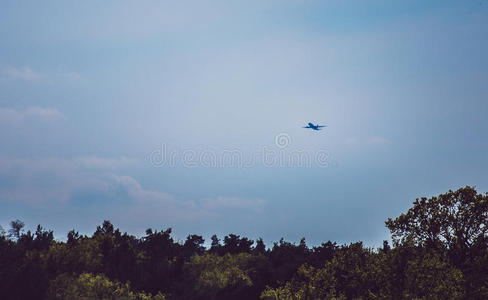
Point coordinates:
[[189, 114]]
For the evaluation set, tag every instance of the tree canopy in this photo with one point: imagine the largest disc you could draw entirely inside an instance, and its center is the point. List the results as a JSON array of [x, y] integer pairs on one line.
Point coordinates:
[[439, 251]]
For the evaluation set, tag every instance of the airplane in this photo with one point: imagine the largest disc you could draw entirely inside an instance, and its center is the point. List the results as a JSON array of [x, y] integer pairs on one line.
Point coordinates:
[[314, 127]]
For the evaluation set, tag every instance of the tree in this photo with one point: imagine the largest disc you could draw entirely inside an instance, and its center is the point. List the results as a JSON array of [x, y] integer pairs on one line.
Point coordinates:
[[260, 246], [211, 276], [453, 224], [325, 252], [73, 238], [215, 247], [159, 250], [106, 228], [234, 244], [193, 245], [43, 238], [307, 283], [285, 259], [456, 220], [429, 276], [97, 287], [16, 228]]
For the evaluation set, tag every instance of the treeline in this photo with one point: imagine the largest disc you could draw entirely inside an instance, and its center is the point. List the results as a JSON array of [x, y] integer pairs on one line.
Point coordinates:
[[439, 251]]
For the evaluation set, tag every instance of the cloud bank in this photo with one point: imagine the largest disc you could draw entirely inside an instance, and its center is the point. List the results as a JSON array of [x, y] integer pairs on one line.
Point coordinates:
[[27, 74], [30, 113], [99, 183]]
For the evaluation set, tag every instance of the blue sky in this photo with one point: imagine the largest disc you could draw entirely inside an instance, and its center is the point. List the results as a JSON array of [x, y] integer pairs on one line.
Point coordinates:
[[91, 93]]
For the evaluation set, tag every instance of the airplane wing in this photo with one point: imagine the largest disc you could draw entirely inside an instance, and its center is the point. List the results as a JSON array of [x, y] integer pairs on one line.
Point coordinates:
[[320, 126]]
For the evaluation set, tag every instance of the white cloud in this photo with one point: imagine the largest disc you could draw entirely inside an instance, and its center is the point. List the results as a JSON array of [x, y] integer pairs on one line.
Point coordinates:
[[10, 115], [96, 181], [150, 203], [378, 140], [136, 192], [28, 74], [231, 202], [68, 76], [105, 163], [350, 141], [138, 204], [371, 141], [30, 113], [24, 73], [43, 113], [51, 180]]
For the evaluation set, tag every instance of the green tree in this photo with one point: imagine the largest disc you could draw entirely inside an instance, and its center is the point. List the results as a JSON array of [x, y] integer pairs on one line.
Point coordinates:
[[157, 265], [307, 284], [353, 273], [2, 232], [429, 276], [193, 245], [234, 244], [211, 276], [453, 224], [457, 220], [260, 247], [88, 286], [16, 228]]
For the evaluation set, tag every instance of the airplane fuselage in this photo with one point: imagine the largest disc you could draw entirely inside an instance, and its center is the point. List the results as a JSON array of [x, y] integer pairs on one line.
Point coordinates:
[[314, 127]]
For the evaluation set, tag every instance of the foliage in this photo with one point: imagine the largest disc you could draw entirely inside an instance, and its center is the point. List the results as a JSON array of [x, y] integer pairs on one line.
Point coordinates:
[[308, 283], [456, 220], [214, 275], [96, 287], [440, 251], [454, 224]]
